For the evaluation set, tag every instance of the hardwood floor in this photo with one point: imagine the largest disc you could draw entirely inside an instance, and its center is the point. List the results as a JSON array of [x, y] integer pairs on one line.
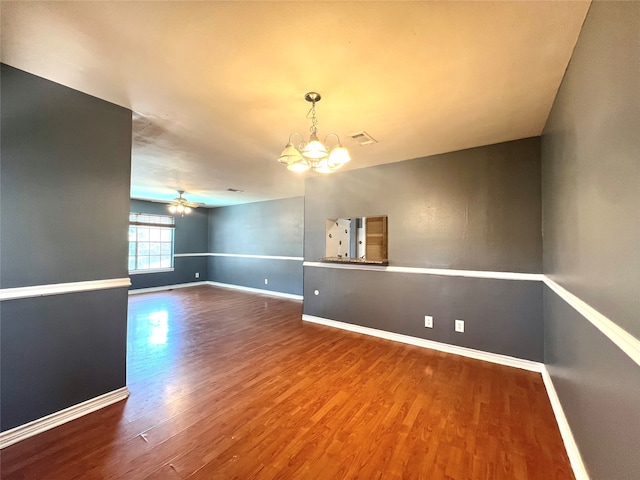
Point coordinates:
[[233, 385]]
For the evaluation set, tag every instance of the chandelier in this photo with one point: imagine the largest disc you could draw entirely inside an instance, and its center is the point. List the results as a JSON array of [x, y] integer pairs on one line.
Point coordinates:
[[181, 205], [314, 154]]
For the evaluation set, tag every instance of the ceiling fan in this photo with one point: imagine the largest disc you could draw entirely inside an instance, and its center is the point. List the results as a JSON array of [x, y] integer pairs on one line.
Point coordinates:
[[181, 205]]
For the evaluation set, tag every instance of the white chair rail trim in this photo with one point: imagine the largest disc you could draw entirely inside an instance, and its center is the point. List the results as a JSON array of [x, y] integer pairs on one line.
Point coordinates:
[[62, 288], [238, 255], [623, 339], [429, 271], [620, 337], [264, 257]]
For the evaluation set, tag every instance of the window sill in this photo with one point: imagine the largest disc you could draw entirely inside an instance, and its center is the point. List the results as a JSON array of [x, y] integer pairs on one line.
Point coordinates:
[[157, 270]]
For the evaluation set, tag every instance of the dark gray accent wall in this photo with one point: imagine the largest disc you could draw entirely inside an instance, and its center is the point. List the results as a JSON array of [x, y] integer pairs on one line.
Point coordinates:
[[477, 209], [60, 350], [599, 387], [66, 160], [283, 275], [273, 228], [501, 316], [64, 202], [591, 164], [190, 236], [591, 200]]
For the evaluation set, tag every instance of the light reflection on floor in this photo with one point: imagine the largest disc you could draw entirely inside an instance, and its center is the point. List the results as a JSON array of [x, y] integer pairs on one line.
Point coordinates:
[[150, 327], [158, 353], [154, 339], [158, 327]]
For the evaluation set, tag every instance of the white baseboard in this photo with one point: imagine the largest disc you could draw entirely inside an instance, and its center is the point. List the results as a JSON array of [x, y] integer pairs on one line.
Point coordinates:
[[166, 287], [421, 342], [256, 290], [63, 416], [217, 284], [570, 445]]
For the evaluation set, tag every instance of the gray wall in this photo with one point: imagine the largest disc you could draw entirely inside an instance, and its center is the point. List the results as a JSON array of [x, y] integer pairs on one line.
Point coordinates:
[[65, 163], [273, 228], [501, 316], [64, 202], [60, 350], [599, 388], [477, 209], [591, 200], [190, 236]]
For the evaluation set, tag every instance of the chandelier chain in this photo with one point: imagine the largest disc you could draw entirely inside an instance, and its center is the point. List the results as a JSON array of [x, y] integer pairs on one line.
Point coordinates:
[[314, 121]]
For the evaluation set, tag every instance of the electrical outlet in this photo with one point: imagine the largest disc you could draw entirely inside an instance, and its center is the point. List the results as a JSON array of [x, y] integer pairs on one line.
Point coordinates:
[[428, 321], [266, 281], [197, 274], [459, 326]]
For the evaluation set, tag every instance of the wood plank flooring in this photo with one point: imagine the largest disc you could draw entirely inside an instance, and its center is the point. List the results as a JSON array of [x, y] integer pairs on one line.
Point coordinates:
[[233, 385]]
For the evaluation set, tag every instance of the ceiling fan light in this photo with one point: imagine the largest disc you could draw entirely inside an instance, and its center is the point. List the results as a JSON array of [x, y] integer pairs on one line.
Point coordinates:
[[172, 208], [339, 156], [187, 209]]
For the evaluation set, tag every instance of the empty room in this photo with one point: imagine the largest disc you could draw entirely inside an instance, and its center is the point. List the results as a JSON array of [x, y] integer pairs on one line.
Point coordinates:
[[320, 240]]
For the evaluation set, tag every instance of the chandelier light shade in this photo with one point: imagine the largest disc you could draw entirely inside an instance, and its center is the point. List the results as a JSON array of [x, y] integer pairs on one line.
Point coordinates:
[[314, 154], [181, 205]]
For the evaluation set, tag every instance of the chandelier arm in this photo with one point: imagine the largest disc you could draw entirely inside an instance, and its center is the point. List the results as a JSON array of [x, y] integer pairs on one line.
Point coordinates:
[[335, 135], [296, 133]]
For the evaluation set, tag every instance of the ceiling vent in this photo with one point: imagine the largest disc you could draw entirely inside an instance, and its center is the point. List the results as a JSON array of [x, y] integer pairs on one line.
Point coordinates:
[[363, 138], [235, 190]]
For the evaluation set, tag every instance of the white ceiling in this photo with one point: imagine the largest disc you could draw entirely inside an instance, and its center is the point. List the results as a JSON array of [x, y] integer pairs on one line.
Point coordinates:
[[216, 87]]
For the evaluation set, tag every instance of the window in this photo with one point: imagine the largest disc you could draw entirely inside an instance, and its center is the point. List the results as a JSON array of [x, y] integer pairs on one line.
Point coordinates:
[[150, 243]]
